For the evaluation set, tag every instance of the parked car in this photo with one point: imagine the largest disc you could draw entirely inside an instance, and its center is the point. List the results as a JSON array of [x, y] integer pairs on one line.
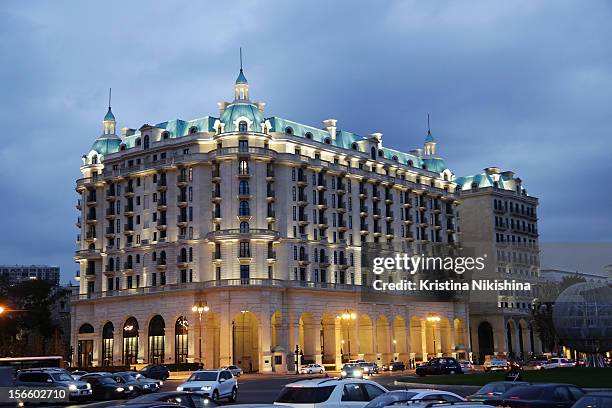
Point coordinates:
[[595, 400], [351, 371], [329, 393], [493, 363], [234, 369], [439, 365], [134, 387], [312, 369], [539, 396], [214, 384], [104, 387], [466, 366], [534, 364], [369, 368], [159, 372], [493, 390], [401, 397], [77, 390], [76, 374], [151, 385], [558, 362], [396, 366], [183, 399], [94, 374]]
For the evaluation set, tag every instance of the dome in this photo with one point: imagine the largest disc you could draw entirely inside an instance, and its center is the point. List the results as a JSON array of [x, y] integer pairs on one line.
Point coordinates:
[[241, 78], [245, 110], [435, 164], [106, 145], [109, 115], [582, 317]]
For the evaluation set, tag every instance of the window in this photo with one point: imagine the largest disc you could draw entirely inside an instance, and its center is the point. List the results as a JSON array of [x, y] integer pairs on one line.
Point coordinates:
[[243, 187], [244, 227], [244, 210], [289, 130], [244, 273], [165, 135], [242, 126], [146, 142], [308, 135], [327, 140], [353, 392], [193, 130], [354, 146], [243, 167]]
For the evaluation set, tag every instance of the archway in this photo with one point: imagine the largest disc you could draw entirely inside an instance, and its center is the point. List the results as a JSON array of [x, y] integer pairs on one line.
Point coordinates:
[[485, 340], [383, 339], [245, 329], [108, 343], [181, 345], [366, 343], [157, 332], [85, 345], [416, 338], [130, 341]]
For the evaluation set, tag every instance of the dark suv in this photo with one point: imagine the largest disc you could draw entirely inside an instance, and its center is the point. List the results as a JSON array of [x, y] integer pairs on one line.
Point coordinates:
[[439, 365], [157, 372]]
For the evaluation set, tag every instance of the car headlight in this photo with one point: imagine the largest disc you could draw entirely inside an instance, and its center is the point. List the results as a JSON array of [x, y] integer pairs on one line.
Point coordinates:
[[206, 388], [179, 388], [358, 373], [119, 389], [343, 373], [72, 387], [130, 387], [88, 386], [161, 383]]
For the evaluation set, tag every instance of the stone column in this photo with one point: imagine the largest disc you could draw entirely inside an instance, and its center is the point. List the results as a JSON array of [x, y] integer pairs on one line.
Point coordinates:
[[226, 334], [117, 347], [169, 345], [294, 336], [265, 355], [424, 340]]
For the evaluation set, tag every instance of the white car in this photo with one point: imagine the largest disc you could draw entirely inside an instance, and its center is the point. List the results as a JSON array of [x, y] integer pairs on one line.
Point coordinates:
[[401, 397], [466, 366], [557, 362], [329, 393], [495, 364], [312, 369], [234, 369], [214, 384]]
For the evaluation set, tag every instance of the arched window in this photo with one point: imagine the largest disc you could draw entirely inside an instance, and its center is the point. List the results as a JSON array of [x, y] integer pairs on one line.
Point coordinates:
[[162, 255], [244, 210], [242, 126], [394, 158], [165, 135], [424, 167], [181, 351], [183, 255], [373, 153], [146, 142], [94, 159], [381, 153], [193, 130], [108, 341], [243, 187], [327, 140], [130, 341], [244, 227], [243, 167], [354, 146], [410, 163], [122, 147], [474, 185], [156, 340], [86, 328], [308, 135], [289, 130], [138, 142]]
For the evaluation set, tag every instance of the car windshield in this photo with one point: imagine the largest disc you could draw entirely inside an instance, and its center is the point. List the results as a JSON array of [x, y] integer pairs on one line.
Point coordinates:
[[496, 388], [390, 398], [106, 380], [127, 377], [204, 376], [62, 377], [305, 395], [527, 393], [594, 401]]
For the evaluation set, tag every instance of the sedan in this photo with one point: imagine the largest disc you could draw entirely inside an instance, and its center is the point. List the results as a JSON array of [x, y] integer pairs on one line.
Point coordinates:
[[183, 399], [494, 390], [539, 396], [440, 365], [234, 369], [595, 400], [159, 372], [106, 388], [312, 369], [402, 397]]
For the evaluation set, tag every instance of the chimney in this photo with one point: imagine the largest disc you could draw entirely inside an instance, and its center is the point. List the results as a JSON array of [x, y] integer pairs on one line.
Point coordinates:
[[492, 170], [330, 126]]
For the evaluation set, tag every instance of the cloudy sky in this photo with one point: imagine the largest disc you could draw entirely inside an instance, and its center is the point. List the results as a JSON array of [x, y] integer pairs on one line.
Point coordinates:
[[523, 85]]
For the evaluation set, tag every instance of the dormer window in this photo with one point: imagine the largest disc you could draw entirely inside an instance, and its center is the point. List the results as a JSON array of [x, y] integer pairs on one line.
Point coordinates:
[[410, 163], [94, 159], [122, 147], [354, 146], [146, 142], [381, 153], [193, 130], [242, 126], [289, 130], [394, 158], [474, 185], [327, 140], [308, 135], [165, 135], [138, 142], [424, 167]]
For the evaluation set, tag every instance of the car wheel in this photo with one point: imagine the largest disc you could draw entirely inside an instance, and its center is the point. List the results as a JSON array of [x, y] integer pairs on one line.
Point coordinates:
[[215, 396], [234, 396], [321, 372]]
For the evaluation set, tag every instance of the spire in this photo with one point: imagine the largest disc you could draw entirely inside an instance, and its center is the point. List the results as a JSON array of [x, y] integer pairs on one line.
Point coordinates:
[[241, 86], [430, 142], [109, 122]]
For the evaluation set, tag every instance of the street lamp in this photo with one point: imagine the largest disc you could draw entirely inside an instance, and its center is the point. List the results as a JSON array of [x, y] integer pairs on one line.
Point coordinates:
[[347, 316], [1, 309], [434, 320], [200, 308]]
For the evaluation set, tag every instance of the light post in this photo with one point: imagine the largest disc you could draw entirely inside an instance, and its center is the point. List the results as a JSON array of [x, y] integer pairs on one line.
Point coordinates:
[[434, 320], [347, 316], [200, 308]]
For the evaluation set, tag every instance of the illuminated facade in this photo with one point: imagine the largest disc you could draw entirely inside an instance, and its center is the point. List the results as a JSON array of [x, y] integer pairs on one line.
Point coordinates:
[[260, 219]]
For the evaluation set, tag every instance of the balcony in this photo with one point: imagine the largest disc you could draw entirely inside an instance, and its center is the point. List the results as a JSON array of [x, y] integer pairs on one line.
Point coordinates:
[[270, 174], [390, 231], [128, 229], [270, 194], [91, 199], [128, 267], [162, 185], [236, 233], [363, 191], [376, 212], [90, 236], [302, 200], [390, 214], [303, 259], [363, 210], [303, 219], [216, 215], [244, 255], [217, 256], [340, 187], [181, 220], [341, 206], [110, 212], [244, 213], [244, 173], [181, 200], [363, 229], [302, 180], [181, 180], [321, 184], [388, 198], [161, 263], [342, 225], [91, 218], [271, 214], [110, 232], [162, 203], [375, 195], [271, 256], [322, 202], [324, 261], [129, 191], [162, 224], [322, 222], [111, 194], [128, 209], [79, 205]]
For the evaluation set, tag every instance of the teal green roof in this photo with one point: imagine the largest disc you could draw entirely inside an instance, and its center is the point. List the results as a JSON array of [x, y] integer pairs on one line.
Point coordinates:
[[429, 138], [241, 78], [435, 164], [237, 110], [479, 180], [109, 115], [106, 145]]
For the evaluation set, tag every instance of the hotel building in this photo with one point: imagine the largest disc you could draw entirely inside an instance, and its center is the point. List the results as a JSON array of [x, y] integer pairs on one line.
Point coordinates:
[[234, 238], [499, 218], [20, 273]]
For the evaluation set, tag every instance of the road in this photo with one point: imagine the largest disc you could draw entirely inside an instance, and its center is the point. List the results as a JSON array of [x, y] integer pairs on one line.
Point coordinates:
[[262, 388]]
